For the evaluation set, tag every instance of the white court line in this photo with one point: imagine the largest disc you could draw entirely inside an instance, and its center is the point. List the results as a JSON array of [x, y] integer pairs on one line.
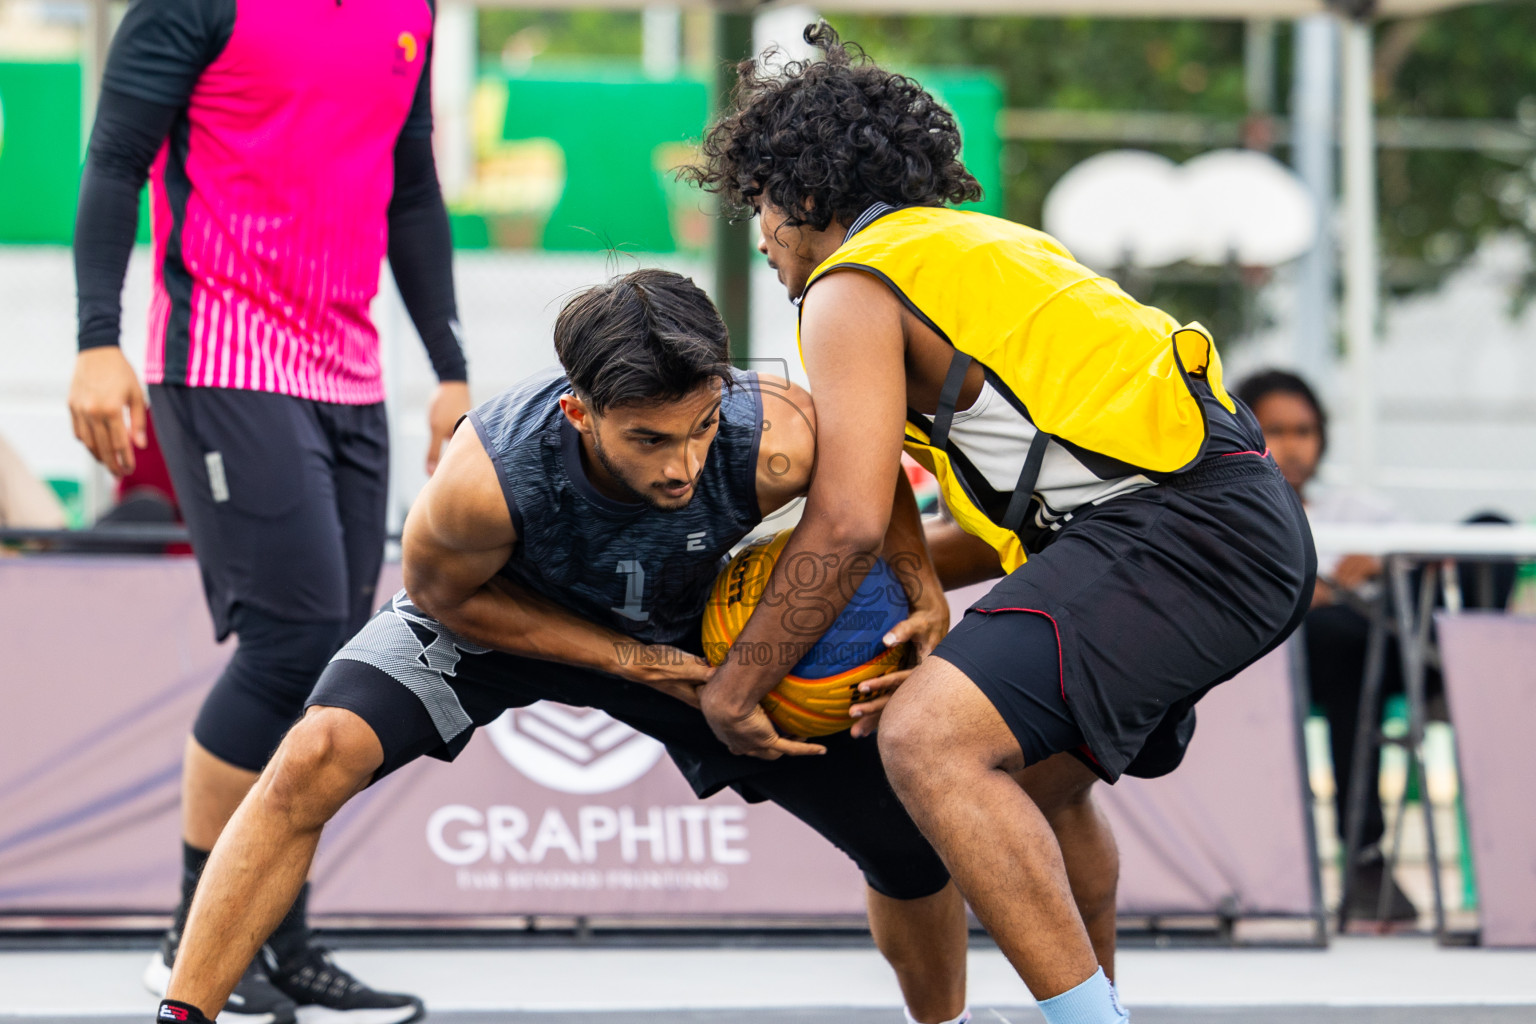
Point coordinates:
[[1354, 972]]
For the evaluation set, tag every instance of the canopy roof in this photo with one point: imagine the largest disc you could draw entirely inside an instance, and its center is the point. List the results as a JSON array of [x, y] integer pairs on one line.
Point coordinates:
[[1219, 9], [1240, 9]]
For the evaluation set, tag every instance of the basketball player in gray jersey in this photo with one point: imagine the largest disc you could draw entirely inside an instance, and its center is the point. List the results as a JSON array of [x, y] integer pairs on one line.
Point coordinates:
[[564, 550]]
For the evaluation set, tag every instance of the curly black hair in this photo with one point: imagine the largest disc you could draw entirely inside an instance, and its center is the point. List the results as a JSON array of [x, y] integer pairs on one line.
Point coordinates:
[[824, 139]]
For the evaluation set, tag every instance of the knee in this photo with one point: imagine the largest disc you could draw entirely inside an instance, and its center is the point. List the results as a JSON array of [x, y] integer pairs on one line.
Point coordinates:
[[263, 688], [285, 655], [1061, 787], [911, 748], [326, 758], [1059, 799], [1067, 806]]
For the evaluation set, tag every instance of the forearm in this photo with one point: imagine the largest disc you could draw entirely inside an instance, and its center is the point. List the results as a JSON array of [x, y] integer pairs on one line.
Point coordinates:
[[809, 587], [906, 549], [124, 140], [421, 256], [960, 558], [506, 617], [105, 227]]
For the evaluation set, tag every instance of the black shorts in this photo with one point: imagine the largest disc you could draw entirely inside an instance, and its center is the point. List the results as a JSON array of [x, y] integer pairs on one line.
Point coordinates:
[[285, 499], [424, 690], [1154, 597]]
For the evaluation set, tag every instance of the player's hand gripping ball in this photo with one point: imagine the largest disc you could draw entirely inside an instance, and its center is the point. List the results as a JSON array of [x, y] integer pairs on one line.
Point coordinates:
[[813, 700]]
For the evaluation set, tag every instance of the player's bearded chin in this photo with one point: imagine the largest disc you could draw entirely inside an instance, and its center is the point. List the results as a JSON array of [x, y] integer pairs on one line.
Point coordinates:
[[643, 490]]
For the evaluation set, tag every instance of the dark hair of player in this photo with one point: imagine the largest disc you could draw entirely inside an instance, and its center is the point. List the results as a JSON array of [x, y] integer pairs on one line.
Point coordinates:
[[1282, 382], [648, 336], [828, 138]]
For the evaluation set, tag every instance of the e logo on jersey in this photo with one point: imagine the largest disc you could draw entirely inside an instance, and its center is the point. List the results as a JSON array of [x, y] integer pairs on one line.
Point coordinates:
[[573, 750]]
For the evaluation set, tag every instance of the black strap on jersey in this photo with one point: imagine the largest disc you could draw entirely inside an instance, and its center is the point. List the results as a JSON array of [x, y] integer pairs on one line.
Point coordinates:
[[938, 437], [1013, 518], [949, 394]]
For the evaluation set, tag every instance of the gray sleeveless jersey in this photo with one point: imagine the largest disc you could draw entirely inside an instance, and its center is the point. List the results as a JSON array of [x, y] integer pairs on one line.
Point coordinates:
[[634, 568]]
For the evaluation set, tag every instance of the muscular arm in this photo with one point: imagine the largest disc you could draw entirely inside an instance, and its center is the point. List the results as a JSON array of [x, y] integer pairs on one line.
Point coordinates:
[[853, 341], [786, 454], [786, 462], [906, 550], [785, 466], [459, 534]]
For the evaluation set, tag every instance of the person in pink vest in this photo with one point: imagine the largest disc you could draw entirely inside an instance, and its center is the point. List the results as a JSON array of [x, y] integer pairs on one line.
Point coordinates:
[[288, 150]]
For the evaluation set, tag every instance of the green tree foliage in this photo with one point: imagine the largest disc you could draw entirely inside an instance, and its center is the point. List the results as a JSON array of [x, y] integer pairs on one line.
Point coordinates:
[[1072, 64], [520, 34], [1186, 66], [1476, 62], [1437, 205], [1472, 62]]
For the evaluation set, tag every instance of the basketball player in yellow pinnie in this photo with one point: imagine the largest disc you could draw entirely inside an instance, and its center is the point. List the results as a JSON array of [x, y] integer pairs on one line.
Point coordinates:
[[1089, 455]]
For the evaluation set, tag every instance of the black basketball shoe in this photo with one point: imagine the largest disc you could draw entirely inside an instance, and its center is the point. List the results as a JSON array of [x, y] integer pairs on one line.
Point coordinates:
[[328, 994], [254, 1000]]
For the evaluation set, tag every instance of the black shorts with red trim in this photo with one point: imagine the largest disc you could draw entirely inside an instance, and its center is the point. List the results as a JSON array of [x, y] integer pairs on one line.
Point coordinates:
[[1102, 643]]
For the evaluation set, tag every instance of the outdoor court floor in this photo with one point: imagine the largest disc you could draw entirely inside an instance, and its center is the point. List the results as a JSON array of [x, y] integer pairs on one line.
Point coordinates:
[[1359, 980]]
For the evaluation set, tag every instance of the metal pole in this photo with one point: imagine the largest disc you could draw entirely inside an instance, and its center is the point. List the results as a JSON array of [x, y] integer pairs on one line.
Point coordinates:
[[661, 41], [455, 60], [1362, 271], [1301, 700], [733, 237], [95, 41], [1314, 111], [1413, 637], [1259, 66]]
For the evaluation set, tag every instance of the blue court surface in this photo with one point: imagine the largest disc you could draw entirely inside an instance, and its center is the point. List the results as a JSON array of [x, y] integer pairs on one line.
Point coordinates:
[[1358, 980]]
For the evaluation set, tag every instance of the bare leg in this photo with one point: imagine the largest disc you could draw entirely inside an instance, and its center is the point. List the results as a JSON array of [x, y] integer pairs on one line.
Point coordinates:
[[262, 858], [1062, 787], [211, 789], [925, 942], [948, 754]]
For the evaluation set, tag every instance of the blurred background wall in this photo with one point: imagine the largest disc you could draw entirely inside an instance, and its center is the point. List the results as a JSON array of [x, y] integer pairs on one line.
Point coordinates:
[[557, 133]]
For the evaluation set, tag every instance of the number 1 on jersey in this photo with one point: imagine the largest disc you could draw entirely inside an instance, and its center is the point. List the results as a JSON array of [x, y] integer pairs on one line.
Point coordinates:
[[634, 591]]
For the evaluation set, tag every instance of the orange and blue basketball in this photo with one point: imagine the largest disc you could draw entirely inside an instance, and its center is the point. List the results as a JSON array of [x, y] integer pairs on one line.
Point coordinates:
[[813, 700]]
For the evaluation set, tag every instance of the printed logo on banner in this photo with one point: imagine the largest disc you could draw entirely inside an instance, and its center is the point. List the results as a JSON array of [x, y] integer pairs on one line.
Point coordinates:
[[573, 750]]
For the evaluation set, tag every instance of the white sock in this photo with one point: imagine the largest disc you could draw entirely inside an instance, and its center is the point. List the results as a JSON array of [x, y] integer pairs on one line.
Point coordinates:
[[965, 1015]]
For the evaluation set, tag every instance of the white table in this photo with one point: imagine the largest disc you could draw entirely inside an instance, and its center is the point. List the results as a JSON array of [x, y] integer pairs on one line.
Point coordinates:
[[1426, 541], [1402, 547]]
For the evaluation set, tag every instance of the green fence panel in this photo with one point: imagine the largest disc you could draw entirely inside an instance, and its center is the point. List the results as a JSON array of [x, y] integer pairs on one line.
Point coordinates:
[[611, 123], [39, 150], [609, 130], [618, 131], [976, 100]]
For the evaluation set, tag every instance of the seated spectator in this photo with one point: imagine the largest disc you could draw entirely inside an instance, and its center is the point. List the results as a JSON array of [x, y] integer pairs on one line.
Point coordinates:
[[143, 497], [1336, 633], [1296, 430], [26, 502]]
